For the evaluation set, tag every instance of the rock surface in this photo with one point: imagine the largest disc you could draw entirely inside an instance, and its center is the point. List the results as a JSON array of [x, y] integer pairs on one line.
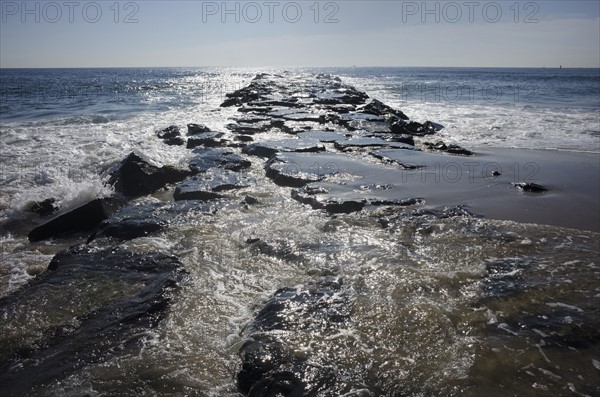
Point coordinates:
[[136, 177], [131, 294], [271, 365]]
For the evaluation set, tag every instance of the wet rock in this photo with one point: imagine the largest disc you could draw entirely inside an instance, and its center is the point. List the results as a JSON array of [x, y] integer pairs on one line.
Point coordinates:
[[208, 158], [80, 219], [243, 138], [135, 177], [142, 220], [365, 142], [530, 187], [379, 108], [171, 136], [440, 146], [210, 185], [270, 148], [206, 139], [341, 96], [279, 248], [108, 300], [194, 129], [255, 91], [414, 128], [271, 365], [408, 159], [249, 200], [246, 128], [323, 136], [295, 169], [336, 199], [401, 138], [45, 207], [298, 116]]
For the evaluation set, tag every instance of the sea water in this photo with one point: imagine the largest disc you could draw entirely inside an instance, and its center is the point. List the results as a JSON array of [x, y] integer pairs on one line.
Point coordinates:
[[444, 306]]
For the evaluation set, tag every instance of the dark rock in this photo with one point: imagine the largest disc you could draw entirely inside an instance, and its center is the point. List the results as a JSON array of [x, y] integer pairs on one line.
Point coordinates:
[[291, 169], [108, 299], [341, 96], [341, 199], [171, 136], [423, 218], [45, 207], [194, 129], [310, 195], [142, 220], [177, 141], [80, 219], [365, 142], [249, 200], [407, 159], [208, 158], [251, 128], [402, 138], [207, 139], [269, 148], [278, 248], [136, 177], [298, 116], [169, 132], [210, 185], [414, 128], [269, 365], [452, 149], [379, 108], [255, 91], [530, 187]]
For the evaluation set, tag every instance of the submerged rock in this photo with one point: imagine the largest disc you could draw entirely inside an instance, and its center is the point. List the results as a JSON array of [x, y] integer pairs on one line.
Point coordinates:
[[337, 198], [271, 365], [90, 305], [143, 220], [530, 187], [209, 186], [136, 177]]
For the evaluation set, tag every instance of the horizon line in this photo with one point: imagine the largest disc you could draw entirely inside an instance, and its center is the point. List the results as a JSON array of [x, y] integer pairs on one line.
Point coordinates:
[[289, 66]]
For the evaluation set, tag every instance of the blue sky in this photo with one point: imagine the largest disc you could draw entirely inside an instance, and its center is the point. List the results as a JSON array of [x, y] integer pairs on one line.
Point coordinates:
[[299, 33]]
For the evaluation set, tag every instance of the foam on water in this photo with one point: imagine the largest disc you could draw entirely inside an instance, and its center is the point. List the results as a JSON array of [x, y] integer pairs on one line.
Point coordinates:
[[440, 306]]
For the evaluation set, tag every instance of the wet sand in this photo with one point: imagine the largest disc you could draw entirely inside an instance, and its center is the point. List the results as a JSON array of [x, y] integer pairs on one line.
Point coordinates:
[[572, 179]]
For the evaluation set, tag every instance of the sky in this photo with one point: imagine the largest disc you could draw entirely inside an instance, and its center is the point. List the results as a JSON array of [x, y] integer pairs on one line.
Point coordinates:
[[274, 33]]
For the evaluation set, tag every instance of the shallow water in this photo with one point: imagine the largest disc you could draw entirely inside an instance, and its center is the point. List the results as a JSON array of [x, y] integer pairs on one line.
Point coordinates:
[[440, 305]]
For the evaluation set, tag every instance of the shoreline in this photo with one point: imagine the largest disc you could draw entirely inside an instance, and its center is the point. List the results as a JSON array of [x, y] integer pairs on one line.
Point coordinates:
[[572, 179]]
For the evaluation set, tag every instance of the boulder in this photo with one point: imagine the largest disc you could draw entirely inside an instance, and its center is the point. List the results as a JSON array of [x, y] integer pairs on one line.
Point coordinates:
[[206, 139], [80, 219], [45, 207], [271, 363], [136, 177], [108, 301]]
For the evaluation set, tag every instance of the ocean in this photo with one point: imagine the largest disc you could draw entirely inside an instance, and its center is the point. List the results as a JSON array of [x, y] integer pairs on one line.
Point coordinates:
[[444, 306]]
